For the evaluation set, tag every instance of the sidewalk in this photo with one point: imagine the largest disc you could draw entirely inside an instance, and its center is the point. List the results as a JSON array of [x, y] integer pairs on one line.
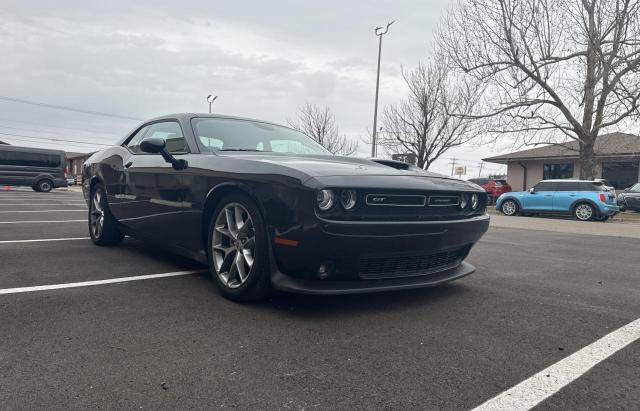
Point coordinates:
[[564, 225]]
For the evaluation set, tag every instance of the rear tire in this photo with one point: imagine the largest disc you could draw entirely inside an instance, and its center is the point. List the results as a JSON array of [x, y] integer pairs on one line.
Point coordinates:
[[103, 227], [510, 208], [584, 212], [44, 185], [237, 249]]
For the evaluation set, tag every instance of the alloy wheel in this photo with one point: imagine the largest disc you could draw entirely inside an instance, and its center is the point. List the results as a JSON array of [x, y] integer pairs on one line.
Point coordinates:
[[584, 212], [509, 208], [97, 215], [233, 245]]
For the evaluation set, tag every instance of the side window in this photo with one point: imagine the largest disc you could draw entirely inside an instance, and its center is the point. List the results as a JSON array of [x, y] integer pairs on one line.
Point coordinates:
[[570, 186], [134, 142], [545, 186], [171, 133]]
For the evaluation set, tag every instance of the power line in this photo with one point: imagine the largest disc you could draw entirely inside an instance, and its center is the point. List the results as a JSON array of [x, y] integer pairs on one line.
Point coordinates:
[[31, 123], [56, 139], [57, 145], [51, 132], [77, 110]]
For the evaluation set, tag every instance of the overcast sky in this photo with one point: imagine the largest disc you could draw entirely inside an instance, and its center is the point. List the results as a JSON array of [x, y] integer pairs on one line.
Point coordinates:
[[263, 59]]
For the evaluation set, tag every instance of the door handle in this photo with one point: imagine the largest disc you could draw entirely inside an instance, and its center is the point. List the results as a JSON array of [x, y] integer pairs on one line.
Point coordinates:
[[128, 164], [548, 195]]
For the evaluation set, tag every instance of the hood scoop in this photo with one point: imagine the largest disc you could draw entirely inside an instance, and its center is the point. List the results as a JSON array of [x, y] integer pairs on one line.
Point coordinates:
[[398, 165]]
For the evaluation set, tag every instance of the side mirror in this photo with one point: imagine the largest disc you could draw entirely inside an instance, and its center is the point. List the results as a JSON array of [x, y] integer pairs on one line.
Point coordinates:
[[154, 145], [532, 190]]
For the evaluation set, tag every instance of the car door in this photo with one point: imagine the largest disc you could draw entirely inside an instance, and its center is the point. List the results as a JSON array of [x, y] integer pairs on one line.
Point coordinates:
[[541, 198], [567, 192], [153, 203]]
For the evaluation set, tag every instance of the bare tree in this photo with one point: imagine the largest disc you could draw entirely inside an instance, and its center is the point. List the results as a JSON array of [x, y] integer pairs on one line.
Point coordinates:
[[556, 70], [434, 117], [320, 124]]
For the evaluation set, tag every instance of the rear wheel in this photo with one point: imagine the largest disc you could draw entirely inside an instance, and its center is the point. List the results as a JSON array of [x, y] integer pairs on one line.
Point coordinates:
[[103, 227], [584, 212], [44, 186], [509, 208], [237, 249]]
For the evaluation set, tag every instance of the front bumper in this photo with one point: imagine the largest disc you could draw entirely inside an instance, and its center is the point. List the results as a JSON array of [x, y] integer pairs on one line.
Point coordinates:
[[296, 285], [379, 256]]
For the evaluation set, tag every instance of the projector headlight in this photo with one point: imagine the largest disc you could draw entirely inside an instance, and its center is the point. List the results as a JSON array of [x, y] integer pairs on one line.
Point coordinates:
[[325, 199], [475, 201], [464, 200], [348, 199]]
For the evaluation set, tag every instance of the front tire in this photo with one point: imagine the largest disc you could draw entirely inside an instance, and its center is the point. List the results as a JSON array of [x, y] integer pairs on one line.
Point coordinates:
[[238, 249], [44, 186], [509, 208], [584, 212], [103, 227]]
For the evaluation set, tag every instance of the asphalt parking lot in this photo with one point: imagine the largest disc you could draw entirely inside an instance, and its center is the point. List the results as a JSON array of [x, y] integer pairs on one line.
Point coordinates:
[[174, 343]]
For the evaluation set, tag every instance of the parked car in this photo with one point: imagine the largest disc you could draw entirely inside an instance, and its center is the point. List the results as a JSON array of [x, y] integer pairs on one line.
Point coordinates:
[[37, 168], [494, 188], [629, 199], [71, 179], [586, 200], [266, 206]]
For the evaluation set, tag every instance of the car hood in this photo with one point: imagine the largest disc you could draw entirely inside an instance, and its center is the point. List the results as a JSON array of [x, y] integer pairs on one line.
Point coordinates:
[[324, 167]]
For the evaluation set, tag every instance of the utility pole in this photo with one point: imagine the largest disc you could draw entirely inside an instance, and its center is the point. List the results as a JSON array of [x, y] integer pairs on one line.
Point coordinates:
[[481, 165], [210, 99], [453, 165], [379, 32]]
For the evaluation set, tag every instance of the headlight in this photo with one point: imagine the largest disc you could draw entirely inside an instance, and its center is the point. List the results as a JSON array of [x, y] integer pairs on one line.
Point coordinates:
[[325, 199], [475, 201], [348, 199], [464, 201]]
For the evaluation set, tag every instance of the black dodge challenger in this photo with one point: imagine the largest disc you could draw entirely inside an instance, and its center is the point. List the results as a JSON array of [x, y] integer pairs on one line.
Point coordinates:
[[266, 207]]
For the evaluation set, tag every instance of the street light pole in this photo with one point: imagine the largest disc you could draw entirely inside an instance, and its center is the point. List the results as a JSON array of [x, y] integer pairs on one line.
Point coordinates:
[[379, 32], [210, 99]]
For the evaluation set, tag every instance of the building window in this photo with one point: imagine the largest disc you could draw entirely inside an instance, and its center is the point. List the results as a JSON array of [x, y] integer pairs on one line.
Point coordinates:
[[620, 174], [552, 171]]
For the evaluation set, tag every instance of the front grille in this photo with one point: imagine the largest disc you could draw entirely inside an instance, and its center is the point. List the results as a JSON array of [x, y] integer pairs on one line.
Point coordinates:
[[394, 266]]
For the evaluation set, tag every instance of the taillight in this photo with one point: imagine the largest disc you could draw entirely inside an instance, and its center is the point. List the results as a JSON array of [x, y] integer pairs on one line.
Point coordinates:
[[603, 197]]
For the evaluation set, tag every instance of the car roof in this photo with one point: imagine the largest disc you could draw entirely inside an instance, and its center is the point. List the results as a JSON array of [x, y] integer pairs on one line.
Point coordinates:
[[188, 116]]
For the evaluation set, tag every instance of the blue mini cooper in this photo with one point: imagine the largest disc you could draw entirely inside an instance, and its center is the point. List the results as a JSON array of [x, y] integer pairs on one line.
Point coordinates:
[[586, 200]]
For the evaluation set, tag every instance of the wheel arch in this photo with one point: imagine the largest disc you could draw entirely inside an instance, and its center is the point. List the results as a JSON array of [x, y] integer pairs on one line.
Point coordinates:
[[213, 198], [513, 199], [576, 203]]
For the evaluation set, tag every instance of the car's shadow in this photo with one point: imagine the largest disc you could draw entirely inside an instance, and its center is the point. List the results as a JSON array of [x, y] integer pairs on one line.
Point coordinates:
[[329, 306], [312, 306]]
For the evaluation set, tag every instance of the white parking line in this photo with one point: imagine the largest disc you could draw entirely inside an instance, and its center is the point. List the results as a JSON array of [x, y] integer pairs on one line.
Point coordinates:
[[48, 221], [97, 282], [549, 381], [41, 211], [41, 204], [43, 240]]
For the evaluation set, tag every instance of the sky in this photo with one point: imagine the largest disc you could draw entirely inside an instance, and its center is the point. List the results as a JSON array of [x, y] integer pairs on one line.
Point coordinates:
[[263, 59]]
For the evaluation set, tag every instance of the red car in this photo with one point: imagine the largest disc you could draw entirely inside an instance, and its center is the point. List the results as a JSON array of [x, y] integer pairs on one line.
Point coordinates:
[[494, 188]]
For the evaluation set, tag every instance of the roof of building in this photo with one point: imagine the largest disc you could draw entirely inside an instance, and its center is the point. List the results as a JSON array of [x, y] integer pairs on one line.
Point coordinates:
[[71, 155], [607, 145]]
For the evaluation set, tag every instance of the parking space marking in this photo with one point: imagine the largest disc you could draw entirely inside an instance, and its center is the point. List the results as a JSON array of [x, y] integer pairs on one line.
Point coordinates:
[[96, 282], [42, 240], [41, 211], [40, 204], [47, 221], [549, 381]]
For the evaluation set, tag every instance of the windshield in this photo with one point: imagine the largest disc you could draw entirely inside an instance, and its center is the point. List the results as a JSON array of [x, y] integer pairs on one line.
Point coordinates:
[[635, 188], [222, 134]]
